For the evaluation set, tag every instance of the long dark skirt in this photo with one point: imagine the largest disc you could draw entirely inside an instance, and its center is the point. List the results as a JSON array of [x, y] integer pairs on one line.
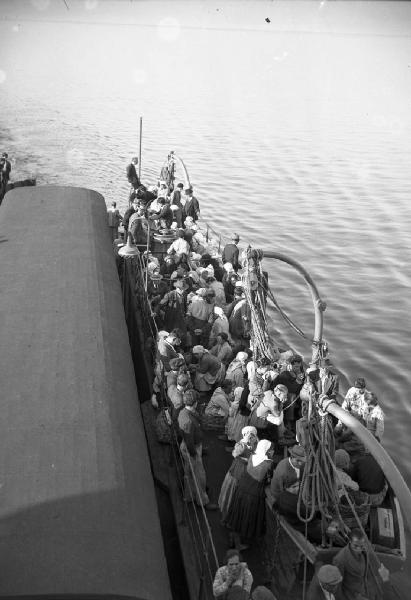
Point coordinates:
[[229, 485], [246, 513]]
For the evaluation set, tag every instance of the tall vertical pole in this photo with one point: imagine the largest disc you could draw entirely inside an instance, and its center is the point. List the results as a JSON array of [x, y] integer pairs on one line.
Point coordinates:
[[139, 150]]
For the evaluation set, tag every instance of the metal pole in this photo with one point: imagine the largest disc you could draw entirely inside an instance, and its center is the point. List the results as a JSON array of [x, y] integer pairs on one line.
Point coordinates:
[[319, 305], [139, 150]]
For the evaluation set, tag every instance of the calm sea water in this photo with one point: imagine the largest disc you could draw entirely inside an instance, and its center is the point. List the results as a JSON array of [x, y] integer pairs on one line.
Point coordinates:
[[296, 134]]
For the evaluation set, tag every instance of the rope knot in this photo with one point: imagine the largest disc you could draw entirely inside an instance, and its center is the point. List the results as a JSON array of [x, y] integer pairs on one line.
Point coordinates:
[[323, 403]]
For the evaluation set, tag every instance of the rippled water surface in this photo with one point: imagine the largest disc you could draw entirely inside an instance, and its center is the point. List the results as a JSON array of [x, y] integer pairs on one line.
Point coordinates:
[[296, 134]]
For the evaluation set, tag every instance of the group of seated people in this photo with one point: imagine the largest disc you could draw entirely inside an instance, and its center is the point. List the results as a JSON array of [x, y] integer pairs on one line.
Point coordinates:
[[210, 375], [161, 208]]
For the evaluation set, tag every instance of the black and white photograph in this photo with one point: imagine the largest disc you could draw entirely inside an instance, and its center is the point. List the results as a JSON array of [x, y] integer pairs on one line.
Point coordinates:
[[205, 299]]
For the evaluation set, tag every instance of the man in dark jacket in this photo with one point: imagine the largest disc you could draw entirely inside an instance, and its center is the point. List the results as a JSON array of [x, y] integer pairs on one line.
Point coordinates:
[[368, 474], [126, 218], [362, 573], [231, 252], [191, 207], [5, 168], [191, 449], [131, 173]]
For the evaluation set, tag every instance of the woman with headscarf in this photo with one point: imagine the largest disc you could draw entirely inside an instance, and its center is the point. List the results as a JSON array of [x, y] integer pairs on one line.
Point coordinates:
[[246, 513], [222, 349], [241, 453], [220, 325], [237, 368], [239, 415]]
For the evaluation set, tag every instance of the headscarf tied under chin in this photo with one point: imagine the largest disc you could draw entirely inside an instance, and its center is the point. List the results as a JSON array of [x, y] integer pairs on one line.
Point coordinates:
[[260, 453], [248, 429]]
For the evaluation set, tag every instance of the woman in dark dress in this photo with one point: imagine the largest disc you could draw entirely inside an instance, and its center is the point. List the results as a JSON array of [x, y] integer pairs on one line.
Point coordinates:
[[241, 453], [246, 513]]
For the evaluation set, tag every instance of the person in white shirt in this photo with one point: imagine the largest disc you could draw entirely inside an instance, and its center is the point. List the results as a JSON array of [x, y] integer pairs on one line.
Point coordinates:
[[114, 218], [374, 418], [355, 399], [179, 246]]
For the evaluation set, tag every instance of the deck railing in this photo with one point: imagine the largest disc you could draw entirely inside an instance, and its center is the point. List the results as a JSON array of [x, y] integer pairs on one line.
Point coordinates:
[[143, 334]]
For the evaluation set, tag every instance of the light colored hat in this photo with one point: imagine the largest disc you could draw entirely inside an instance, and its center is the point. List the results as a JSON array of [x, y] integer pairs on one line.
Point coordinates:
[[235, 237], [329, 574], [194, 276], [248, 429], [202, 292], [242, 356], [228, 267], [239, 284], [198, 349], [218, 311]]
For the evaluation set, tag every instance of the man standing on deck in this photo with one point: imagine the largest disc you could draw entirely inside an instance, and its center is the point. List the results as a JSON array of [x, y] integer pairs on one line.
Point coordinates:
[[5, 168], [114, 219], [191, 448], [131, 173], [288, 472], [362, 574], [231, 252], [191, 207], [126, 218]]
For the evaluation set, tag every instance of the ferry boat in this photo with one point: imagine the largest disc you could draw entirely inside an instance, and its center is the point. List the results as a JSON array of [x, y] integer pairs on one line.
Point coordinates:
[[289, 558], [86, 509]]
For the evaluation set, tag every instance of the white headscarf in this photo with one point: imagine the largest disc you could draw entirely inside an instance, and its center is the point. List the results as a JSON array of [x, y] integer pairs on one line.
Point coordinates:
[[237, 395], [248, 428], [260, 453], [241, 357]]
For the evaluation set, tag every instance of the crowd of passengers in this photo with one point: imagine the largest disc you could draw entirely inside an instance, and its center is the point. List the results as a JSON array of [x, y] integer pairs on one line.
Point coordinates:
[[205, 361]]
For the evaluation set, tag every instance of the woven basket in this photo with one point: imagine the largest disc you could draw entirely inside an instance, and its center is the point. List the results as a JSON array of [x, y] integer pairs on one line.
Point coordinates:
[[361, 502]]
